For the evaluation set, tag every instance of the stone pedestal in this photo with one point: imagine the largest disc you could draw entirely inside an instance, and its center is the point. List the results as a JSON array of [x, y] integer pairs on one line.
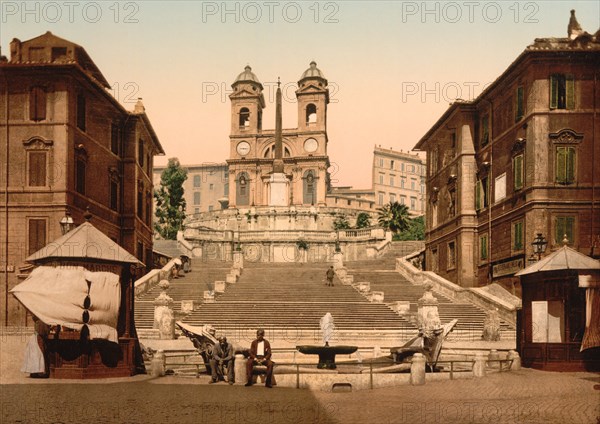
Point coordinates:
[[516, 360], [377, 297], [219, 286], [187, 306], [479, 365], [236, 271], [209, 296], [491, 326], [157, 364], [417, 370], [364, 286], [338, 260], [279, 190], [239, 370], [231, 279], [402, 307], [341, 272], [428, 317], [238, 259], [494, 356], [348, 280], [164, 319]]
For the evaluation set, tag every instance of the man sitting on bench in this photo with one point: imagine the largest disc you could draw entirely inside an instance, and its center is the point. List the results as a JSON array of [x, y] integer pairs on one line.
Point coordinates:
[[260, 354], [222, 357]]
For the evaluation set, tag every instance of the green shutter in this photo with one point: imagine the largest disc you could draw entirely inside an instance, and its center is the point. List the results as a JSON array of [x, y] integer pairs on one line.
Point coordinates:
[[519, 105], [478, 195], [570, 91], [553, 92], [569, 224], [518, 236], [518, 172], [483, 247], [570, 164], [561, 164]]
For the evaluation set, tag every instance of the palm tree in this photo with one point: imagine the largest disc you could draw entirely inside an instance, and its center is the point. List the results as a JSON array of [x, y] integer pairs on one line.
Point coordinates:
[[394, 217]]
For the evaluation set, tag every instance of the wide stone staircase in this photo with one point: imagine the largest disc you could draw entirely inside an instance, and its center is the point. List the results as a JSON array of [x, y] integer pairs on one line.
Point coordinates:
[[289, 299]]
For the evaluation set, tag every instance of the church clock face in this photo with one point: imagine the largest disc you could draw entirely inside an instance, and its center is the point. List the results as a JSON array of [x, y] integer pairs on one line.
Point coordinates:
[[311, 145], [243, 148]]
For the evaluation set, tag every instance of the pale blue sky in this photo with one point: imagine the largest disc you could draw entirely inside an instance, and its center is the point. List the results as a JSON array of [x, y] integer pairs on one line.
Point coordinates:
[[173, 54]]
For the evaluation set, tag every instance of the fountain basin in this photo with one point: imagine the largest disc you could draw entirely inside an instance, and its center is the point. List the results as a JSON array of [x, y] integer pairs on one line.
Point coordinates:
[[326, 354]]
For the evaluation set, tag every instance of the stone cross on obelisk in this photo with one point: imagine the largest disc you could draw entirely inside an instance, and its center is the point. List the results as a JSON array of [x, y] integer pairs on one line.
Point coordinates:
[[278, 182]]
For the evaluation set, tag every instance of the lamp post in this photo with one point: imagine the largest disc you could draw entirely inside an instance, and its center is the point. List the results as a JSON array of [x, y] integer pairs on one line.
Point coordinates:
[[539, 245], [66, 223]]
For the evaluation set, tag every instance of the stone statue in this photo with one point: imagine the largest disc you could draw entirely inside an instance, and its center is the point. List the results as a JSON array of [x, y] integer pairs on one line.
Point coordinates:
[[327, 328]]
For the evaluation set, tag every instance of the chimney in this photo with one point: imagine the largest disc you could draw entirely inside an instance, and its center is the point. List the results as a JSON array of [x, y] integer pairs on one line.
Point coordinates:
[[139, 106], [15, 50]]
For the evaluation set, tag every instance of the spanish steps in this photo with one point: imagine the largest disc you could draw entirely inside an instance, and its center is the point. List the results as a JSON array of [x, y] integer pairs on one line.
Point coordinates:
[[288, 300]]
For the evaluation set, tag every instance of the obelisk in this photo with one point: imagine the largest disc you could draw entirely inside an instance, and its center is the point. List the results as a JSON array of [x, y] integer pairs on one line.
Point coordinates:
[[278, 182]]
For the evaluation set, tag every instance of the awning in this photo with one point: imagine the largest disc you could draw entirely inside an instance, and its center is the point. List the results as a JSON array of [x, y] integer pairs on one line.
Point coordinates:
[[73, 298]]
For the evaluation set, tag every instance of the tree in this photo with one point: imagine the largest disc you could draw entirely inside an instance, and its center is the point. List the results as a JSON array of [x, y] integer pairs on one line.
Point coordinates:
[[363, 220], [415, 230], [170, 204], [341, 223], [394, 217]]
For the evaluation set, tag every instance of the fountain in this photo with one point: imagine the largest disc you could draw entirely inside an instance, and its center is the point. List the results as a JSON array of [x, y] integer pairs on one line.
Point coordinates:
[[326, 352]]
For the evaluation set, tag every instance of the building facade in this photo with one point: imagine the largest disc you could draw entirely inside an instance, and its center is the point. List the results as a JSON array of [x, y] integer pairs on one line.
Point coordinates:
[[399, 177], [206, 188], [252, 148], [67, 145], [517, 161]]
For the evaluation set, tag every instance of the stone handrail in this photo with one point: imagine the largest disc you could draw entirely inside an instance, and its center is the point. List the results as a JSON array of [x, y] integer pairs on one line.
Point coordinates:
[[506, 309], [184, 246], [151, 279]]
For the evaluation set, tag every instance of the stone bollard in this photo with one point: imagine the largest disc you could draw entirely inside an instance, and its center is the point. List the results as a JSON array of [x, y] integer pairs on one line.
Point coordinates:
[[157, 364], [231, 279], [494, 356], [238, 259], [239, 370], [338, 260], [417, 370], [516, 360], [164, 318], [219, 286], [236, 271], [479, 365], [376, 352]]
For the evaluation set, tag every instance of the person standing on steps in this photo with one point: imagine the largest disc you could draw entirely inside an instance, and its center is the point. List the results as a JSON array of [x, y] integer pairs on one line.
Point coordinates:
[[330, 274]]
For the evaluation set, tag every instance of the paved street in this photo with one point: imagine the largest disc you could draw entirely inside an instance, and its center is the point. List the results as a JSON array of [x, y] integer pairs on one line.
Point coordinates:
[[526, 396]]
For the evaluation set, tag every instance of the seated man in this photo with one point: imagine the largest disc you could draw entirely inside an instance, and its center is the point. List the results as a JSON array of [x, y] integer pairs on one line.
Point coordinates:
[[222, 356], [260, 354]]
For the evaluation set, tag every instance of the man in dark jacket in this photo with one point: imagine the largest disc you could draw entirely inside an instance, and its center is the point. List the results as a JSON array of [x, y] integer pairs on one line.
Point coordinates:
[[222, 356], [330, 274], [260, 354]]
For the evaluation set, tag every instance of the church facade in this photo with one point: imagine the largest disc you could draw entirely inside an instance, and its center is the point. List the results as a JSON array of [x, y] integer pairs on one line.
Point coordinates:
[[304, 149]]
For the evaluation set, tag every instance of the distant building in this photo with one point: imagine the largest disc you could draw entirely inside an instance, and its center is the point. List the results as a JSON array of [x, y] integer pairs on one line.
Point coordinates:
[[206, 188], [399, 177], [69, 145], [520, 159]]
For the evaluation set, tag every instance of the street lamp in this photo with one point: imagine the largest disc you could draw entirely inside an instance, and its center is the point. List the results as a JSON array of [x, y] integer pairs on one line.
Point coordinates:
[[66, 223], [539, 245]]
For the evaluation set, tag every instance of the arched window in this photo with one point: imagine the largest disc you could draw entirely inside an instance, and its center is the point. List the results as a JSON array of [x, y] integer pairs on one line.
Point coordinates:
[[309, 187], [244, 117], [270, 152], [242, 189], [311, 113]]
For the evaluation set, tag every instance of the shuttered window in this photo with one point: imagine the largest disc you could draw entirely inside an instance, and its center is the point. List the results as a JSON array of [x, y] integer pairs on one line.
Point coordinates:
[[37, 104], [36, 169], [80, 176], [562, 92], [564, 226], [81, 112], [518, 235], [485, 131], [518, 172], [565, 164], [519, 107], [37, 235], [483, 247]]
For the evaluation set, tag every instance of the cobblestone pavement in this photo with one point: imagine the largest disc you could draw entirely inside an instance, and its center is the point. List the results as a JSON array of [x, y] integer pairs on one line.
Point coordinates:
[[526, 396]]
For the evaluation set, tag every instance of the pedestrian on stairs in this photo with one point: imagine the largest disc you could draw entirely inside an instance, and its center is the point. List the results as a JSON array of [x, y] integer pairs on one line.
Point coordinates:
[[330, 274]]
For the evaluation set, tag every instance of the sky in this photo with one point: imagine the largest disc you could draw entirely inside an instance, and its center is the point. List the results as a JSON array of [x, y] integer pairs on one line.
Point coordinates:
[[393, 66]]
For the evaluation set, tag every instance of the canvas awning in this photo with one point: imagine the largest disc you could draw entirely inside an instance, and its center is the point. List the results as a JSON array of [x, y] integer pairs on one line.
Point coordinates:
[[84, 242], [564, 258], [73, 298]]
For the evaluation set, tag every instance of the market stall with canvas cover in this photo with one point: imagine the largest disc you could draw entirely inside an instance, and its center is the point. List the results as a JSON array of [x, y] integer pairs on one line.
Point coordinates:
[[82, 288]]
